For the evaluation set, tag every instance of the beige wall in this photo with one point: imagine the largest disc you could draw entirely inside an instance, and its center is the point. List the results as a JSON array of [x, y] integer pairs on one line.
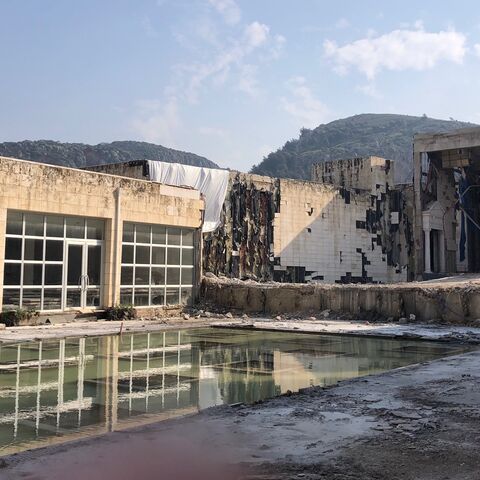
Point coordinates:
[[34, 187]]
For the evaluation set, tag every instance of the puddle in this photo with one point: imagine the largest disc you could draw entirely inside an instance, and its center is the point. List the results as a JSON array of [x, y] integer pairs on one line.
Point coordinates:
[[56, 390]]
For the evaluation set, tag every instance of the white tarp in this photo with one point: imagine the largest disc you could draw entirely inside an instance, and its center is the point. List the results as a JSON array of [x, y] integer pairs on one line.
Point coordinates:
[[211, 182]]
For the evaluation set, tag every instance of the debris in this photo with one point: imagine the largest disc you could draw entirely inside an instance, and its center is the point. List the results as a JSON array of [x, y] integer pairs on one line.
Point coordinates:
[[229, 315]]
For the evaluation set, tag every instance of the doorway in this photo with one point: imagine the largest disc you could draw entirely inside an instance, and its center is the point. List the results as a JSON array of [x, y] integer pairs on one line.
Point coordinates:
[[82, 287]]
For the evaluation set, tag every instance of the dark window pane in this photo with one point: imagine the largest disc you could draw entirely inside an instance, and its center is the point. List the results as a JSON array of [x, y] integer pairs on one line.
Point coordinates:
[[173, 296], [126, 296], [174, 235], [127, 276], [186, 297], [53, 274], [52, 299], [158, 255], [13, 248], [158, 275], [11, 298], [93, 297], [11, 275], [187, 256], [54, 226], [127, 254], [187, 238], [187, 276], [32, 273], [142, 255], [75, 227], [159, 235], [142, 276], [32, 298], [141, 297], [95, 228], [14, 223], [158, 296], [34, 224], [143, 233], [127, 232], [54, 250], [173, 256], [75, 259], [33, 249], [73, 297], [94, 264], [173, 276]]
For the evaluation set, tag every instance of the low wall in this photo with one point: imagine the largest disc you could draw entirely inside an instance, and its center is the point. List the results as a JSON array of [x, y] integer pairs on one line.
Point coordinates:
[[452, 304]]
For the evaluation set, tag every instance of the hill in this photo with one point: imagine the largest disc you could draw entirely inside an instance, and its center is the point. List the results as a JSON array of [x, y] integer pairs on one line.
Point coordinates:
[[82, 155], [384, 135]]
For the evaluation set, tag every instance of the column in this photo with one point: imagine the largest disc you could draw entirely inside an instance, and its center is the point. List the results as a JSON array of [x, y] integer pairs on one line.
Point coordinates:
[[441, 251], [428, 268]]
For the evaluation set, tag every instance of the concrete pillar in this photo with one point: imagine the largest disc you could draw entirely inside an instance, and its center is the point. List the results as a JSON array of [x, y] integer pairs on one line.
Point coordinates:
[[441, 251], [428, 268], [3, 230], [418, 250]]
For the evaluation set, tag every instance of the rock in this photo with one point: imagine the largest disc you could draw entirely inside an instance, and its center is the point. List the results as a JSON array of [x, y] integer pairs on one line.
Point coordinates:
[[208, 314], [325, 313], [389, 320], [244, 315], [412, 317], [2, 326], [229, 315], [278, 317], [186, 316], [312, 318], [402, 320]]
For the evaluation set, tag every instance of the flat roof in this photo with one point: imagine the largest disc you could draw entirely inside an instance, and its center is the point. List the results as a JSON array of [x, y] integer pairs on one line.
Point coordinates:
[[461, 138]]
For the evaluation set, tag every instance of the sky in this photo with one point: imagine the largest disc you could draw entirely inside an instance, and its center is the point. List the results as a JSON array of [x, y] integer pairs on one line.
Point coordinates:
[[231, 80]]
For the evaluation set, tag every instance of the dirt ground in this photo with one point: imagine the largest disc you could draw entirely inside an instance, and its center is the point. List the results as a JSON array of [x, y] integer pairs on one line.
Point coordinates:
[[418, 422]]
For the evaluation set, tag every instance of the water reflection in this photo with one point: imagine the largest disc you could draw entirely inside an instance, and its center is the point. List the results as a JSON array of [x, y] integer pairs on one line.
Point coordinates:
[[83, 386]]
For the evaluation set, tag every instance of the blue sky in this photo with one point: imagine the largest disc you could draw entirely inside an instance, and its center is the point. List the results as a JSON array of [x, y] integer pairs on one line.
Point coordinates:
[[229, 79]]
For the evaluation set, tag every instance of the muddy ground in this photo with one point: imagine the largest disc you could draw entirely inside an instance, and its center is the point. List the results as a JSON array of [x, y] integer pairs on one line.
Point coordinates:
[[419, 422]]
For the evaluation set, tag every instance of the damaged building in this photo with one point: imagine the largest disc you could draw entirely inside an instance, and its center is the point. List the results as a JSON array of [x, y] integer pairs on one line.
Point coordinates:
[[349, 224], [447, 203], [74, 240]]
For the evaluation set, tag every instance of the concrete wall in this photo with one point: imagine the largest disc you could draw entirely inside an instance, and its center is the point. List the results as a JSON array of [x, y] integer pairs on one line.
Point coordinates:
[[35, 187], [449, 304]]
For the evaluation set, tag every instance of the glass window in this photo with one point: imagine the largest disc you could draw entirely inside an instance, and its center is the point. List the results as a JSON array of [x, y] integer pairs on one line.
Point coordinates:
[[52, 299], [141, 297], [173, 276], [13, 248], [173, 256], [187, 238], [34, 224], [158, 275], [33, 249], [11, 298], [54, 251], [126, 295], [95, 228], [128, 232], [127, 276], [187, 276], [53, 274], [14, 223], [158, 296], [75, 227], [174, 236], [32, 298], [142, 275], [127, 254], [186, 296], [32, 273], [142, 255], [11, 275], [142, 233], [158, 255], [172, 296], [187, 256], [159, 235], [54, 226]]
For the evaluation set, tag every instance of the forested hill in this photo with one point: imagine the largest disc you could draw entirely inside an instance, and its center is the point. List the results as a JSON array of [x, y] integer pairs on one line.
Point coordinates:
[[384, 135], [82, 155]]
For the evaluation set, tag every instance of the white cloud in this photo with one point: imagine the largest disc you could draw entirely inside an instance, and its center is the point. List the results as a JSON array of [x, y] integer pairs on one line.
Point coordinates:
[[370, 90], [476, 48], [303, 105], [256, 33], [247, 82], [157, 122], [397, 50], [229, 10]]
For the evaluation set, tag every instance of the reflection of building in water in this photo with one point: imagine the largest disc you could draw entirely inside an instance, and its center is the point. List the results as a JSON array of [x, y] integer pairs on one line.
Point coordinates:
[[101, 384]]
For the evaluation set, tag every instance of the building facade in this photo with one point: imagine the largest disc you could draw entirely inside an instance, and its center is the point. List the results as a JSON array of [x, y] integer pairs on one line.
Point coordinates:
[[74, 240]]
